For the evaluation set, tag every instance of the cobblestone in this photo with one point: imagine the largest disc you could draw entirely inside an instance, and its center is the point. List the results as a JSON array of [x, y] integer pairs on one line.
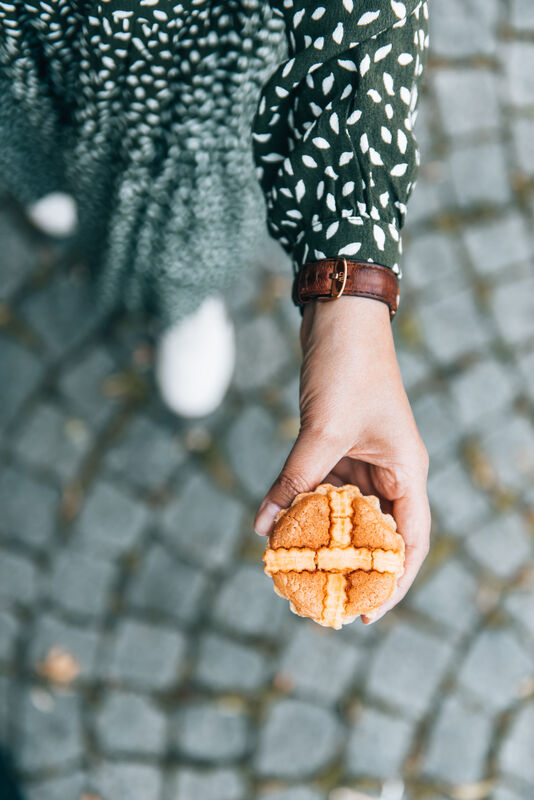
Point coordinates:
[[468, 505], [247, 604], [18, 490], [518, 60], [82, 384], [448, 596], [18, 576], [168, 586], [429, 198], [433, 258], [110, 522], [8, 634], [502, 546], [513, 307], [413, 367], [20, 373], [18, 259], [261, 353], [515, 757], [522, 14], [486, 388], [255, 432], [510, 450], [495, 668], [128, 724], [295, 793], [54, 634], [407, 667], [468, 100], [459, 742], [6, 689], [296, 740], [215, 784], [453, 327], [523, 133], [147, 656], [315, 664], [125, 779], [494, 245], [52, 441], [506, 793], [204, 523], [520, 604], [211, 732], [57, 788], [378, 744], [225, 666], [526, 365], [63, 313], [50, 730], [437, 423], [474, 36], [146, 455], [79, 583], [475, 170], [290, 396]]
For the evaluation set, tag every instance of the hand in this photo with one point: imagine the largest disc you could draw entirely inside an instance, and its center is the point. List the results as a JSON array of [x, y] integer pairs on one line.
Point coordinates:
[[356, 426]]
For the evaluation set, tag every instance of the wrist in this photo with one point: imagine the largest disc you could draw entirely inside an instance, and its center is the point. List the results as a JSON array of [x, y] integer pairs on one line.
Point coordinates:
[[353, 325], [353, 310]]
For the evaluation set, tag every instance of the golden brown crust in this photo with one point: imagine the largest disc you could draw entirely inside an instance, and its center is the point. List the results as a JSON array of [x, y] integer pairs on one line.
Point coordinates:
[[306, 523], [368, 590], [306, 591], [334, 554]]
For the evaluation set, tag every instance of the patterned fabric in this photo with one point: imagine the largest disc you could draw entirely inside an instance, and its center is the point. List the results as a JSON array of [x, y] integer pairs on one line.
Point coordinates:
[[179, 128], [333, 137]]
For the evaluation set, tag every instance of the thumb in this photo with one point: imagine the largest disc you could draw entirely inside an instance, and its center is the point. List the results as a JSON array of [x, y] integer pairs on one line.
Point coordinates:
[[311, 458]]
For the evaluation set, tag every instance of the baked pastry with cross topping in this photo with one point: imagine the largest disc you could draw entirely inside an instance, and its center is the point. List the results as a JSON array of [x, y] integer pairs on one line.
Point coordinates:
[[334, 554]]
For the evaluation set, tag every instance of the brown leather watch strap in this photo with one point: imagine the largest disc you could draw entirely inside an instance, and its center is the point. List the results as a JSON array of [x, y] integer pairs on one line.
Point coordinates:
[[333, 277]]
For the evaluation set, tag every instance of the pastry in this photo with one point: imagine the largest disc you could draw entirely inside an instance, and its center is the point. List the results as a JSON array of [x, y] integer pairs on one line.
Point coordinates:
[[334, 554]]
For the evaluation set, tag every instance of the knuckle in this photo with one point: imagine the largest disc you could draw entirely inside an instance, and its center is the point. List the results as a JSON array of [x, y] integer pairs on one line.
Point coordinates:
[[291, 484], [419, 457]]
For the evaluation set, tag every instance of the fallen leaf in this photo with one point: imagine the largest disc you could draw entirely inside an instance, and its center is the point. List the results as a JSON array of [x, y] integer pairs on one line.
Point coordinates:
[[59, 666]]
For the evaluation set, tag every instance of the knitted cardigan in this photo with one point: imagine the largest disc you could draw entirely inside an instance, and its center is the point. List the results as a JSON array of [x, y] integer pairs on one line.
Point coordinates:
[[183, 129]]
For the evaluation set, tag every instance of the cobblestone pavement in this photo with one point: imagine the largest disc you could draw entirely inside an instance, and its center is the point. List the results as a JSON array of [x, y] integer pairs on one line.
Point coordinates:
[[143, 653]]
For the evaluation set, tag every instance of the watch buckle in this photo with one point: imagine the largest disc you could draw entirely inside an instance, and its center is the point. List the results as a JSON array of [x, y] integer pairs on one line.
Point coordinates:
[[339, 280]]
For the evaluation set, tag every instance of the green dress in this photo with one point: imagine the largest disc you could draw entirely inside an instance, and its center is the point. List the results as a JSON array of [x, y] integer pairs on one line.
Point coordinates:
[[182, 129]]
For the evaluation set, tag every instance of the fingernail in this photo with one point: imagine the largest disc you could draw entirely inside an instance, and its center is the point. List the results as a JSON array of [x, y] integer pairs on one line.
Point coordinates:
[[265, 517]]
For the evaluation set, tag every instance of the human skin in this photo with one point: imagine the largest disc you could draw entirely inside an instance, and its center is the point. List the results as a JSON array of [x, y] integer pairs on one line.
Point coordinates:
[[356, 426]]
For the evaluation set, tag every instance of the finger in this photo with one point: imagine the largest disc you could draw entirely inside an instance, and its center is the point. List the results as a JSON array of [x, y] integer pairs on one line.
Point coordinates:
[[412, 514], [311, 458]]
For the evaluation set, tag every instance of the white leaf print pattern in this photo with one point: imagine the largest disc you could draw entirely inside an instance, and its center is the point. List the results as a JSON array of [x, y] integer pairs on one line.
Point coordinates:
[[350, 249], [368, 17], [343, 170], [338, 34], [399, 8]]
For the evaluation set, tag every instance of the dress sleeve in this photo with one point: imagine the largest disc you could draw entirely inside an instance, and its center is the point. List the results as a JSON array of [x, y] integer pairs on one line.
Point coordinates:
[[332, 135]]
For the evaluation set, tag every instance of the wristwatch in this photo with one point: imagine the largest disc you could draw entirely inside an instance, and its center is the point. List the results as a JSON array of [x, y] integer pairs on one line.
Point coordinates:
[[331, 278]]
